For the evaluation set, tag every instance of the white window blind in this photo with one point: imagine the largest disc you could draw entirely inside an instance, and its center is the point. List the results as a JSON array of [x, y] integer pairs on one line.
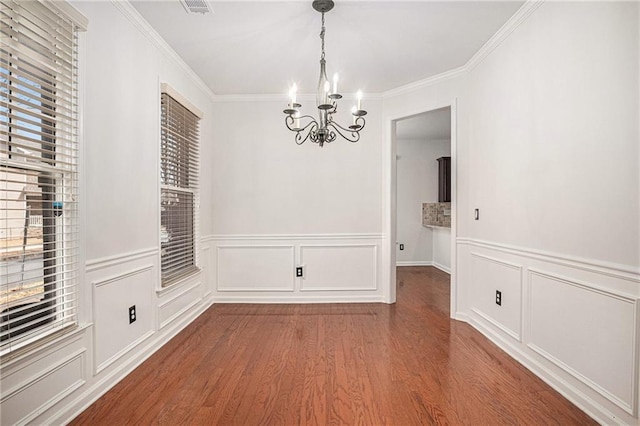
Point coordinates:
[[179, 190], [38, 172]]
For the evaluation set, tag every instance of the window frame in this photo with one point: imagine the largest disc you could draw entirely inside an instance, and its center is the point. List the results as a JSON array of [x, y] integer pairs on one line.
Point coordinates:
[[57, 172], [192, 189]]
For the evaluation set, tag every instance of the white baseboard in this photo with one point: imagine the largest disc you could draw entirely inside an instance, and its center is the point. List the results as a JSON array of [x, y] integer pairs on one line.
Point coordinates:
[[578, 398], [442, 267], [224, 298], [414, 263], [102, 386]]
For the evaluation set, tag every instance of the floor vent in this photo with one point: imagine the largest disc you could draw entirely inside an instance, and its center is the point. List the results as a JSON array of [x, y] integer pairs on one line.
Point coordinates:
[[196, 6]]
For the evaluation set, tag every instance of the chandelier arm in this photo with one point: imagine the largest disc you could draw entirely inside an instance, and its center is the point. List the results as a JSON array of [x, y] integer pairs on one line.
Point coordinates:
[[311, 134], [289, 120], [309, 131], [354, 134]]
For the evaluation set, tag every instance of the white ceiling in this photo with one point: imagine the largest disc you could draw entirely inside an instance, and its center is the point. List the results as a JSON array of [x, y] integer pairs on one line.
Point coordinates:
[[428, 126], [261, 47]]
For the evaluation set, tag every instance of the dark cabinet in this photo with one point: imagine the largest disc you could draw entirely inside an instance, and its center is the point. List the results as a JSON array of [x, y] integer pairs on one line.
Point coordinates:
[[444, 179]]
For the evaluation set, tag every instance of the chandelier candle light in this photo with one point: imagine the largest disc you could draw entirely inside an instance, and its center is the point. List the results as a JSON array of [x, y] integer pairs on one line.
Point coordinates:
[[324, 130]]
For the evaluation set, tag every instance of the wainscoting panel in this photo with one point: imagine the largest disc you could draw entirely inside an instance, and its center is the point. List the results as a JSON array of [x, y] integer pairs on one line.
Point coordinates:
[[262, 268], [43, 390], [256, 268], [491, 275], [174, 304], [339, 267], [581, 329], [112, 297]]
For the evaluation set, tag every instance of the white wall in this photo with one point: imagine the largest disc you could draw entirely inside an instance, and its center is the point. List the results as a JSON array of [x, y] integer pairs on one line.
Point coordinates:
[[417, 183], [122, 66], [266, 184], [283, 205], [548, 150], [553, 130], [442, 249]]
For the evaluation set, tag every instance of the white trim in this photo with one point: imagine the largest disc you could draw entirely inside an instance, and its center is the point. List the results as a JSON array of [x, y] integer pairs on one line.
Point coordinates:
[[262, 237], [249, 288], [401, 263], [35, 378], [182, 100], [442, 267], [183, 310], [122, 352], [603, 291], [184, 290], [624, 272], [498, 261], [591, 407], [119, 259], [593, 385], [340, 289], [97, 368], [631, 407], [179, 283], [314, 299], [15, 361], [512, 23], [514, 335], [510, 26], [152, 35], [120, 276], [79, 354], [389, 177], [283, 98], [429, 81], [100, 387], [68, 11], [178, 314], [513, 266]]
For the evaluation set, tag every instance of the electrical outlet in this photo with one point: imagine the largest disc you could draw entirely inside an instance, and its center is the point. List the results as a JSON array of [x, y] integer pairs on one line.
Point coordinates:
[[132, 314], [498, 298], [299, 271], [401, 246], [477, 214]]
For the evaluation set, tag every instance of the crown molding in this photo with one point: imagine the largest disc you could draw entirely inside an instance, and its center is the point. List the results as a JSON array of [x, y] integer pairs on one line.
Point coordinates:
[[152, 35], [429, 81], [283, 98], [510, 26], [512, 23]]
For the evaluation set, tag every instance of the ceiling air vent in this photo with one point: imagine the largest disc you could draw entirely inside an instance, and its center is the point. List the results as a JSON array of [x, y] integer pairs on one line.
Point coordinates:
[[196, 6]]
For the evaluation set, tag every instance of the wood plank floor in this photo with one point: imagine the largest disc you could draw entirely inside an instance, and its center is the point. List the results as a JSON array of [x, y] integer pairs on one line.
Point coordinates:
[[366, 364]]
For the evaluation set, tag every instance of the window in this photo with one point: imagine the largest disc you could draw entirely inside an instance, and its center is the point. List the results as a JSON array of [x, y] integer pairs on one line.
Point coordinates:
[[38, 172], [179, 189]]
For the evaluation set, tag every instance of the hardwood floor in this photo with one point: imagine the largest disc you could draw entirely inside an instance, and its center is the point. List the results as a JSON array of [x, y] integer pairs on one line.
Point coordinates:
[[369, 364]]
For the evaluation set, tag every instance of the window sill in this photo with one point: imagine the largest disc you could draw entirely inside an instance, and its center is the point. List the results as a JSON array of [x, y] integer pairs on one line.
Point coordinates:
[[42, 342], [179, 282]]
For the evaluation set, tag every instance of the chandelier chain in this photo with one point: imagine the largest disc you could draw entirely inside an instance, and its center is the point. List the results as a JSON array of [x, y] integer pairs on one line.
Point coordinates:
[[322, 36]]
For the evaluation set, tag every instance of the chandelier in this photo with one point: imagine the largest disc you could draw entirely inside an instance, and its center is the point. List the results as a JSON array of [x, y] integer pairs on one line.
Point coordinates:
[[324, 130]]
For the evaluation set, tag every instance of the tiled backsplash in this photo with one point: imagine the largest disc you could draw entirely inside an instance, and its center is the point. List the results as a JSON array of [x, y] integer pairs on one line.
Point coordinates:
[[436, 214]]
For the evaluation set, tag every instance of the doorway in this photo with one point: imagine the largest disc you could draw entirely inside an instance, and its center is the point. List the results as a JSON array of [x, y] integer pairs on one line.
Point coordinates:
[[416, 142]]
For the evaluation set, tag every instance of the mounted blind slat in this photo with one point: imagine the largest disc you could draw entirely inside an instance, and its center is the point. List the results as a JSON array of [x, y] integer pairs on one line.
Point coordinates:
[[38, 173], [179, 182]]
